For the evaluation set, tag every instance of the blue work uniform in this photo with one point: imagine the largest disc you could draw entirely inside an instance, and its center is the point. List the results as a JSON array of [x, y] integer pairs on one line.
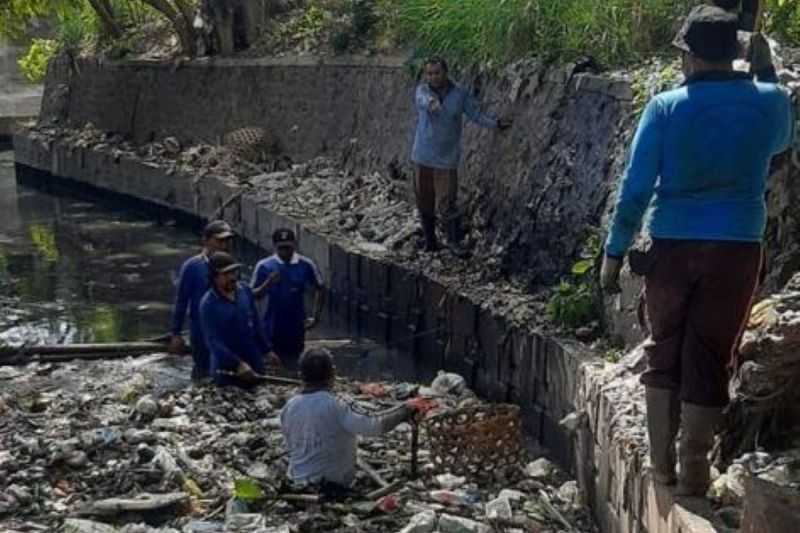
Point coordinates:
[[193, 282], [437, 141], [284, 320], [232, 334], [700, 161]]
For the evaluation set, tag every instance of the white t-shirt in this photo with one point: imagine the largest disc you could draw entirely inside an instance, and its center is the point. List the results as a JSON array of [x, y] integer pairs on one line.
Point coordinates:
[[321, 434]]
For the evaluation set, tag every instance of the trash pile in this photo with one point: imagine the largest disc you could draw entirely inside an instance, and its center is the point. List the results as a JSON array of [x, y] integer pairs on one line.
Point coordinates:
[[132, 446], [372, 212], [200, 159], [765, 413]]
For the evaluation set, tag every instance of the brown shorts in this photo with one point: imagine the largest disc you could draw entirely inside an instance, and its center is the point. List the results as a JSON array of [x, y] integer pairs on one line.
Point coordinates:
[[698, 295]]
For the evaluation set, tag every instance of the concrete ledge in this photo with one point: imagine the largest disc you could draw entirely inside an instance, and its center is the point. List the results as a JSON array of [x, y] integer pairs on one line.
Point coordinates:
[[549, 378]]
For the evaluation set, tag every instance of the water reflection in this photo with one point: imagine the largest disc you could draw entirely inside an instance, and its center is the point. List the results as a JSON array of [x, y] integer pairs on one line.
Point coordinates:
[[73, 271]]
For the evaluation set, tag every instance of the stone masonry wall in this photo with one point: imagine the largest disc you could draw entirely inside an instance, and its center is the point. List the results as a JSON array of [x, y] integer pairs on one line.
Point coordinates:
[[532, 191]]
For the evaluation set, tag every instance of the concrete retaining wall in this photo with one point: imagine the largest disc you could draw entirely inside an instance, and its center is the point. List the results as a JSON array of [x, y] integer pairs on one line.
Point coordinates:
[[549, 378], [533, 191]]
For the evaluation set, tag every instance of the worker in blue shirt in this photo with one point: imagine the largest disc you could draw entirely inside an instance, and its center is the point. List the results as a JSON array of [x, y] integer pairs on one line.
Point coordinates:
[[699, 161], [193, 282], [440, 106], [285, 278], [237, 347]]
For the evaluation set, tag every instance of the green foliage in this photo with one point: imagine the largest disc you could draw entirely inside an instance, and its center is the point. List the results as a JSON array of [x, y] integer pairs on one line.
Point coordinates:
[[248, 490], [574, 302], [782, 18], [34, 64], [498, 31]]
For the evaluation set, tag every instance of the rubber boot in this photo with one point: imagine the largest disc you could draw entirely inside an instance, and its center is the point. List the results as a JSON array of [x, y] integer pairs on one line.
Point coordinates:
[[429, 230], [663, 421], [454, 237], [698, 424]]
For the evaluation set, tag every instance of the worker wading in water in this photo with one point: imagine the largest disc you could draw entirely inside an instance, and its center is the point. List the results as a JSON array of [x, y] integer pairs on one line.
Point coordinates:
[[321, 430], [229, 318], [284, 279], [440, 106], [193, 283], [700, 161]]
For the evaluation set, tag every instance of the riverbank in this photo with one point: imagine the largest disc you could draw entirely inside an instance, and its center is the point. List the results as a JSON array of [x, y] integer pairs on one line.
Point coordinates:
[[549, 378]]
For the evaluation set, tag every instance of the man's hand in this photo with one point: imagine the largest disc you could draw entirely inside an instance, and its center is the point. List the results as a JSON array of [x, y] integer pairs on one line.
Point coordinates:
[[759, 54], [421, 406], [609, 274], [272, 279], [504, 123], [311, 322], [176, 345], [433, 104], [272, 359], [244, 372]]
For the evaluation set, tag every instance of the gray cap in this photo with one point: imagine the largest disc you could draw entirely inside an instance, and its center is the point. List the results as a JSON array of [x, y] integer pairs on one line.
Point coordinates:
[[218, 229]]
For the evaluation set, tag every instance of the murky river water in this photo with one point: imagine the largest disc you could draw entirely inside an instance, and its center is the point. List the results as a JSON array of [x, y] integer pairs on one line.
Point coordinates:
[[74, 271]]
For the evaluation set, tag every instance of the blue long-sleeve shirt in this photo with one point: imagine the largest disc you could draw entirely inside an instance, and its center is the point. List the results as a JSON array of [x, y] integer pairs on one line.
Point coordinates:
[[700, 160], [192, 285], [437, 141], [232, 332]]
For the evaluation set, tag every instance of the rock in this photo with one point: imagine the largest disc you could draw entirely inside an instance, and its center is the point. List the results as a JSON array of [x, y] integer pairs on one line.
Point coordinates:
[[728, 488], [138, 436], [456, 524], [424, 522], [540, 469], [21, 494], [147, 408], [75, 525]]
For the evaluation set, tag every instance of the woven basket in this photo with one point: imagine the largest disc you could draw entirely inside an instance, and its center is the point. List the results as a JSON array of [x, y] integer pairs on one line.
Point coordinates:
[[476, 441]]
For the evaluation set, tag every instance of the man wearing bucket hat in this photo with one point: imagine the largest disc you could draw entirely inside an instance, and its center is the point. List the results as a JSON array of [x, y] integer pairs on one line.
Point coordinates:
[[699, 160], [285, 278], [230, 325], [193, 282]]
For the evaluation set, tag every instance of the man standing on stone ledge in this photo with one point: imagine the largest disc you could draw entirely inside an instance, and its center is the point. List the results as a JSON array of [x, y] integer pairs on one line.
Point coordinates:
[[440, 106], [700, 160], [193, 282]]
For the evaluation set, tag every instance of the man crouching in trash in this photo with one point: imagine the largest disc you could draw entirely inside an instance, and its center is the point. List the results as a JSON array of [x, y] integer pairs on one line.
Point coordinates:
[[230, 325], [321, 430]]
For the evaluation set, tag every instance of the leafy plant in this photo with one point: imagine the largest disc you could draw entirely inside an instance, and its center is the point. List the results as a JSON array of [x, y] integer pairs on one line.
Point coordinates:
[[34, 63], [247, 490], [574, 301]]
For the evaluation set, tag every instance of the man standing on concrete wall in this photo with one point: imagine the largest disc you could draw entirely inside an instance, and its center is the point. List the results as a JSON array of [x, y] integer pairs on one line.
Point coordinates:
[[700, 159], [285, 277], [440, 106], [193, 282]]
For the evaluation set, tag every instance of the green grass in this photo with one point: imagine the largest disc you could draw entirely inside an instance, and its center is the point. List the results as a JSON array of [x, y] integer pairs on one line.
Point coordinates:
[[495, 32]]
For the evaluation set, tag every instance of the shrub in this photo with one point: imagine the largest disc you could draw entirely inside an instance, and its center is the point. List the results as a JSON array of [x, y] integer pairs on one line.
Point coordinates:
[[574, 302], [34, 64]]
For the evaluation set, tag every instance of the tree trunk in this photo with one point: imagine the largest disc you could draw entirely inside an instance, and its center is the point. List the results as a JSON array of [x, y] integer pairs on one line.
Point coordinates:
[[178, 17], [222, 12], [106, 15]]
